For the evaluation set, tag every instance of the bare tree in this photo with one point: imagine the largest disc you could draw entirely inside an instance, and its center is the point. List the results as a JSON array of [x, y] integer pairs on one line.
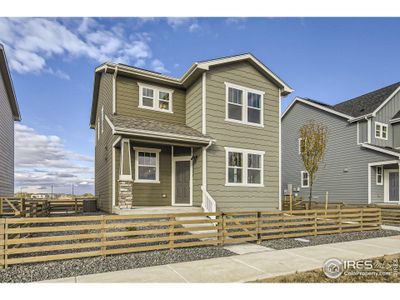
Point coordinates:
[[313, 142]]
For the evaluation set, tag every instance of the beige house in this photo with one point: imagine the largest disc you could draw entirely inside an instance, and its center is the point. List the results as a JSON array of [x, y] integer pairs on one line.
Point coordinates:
[[209, 139]]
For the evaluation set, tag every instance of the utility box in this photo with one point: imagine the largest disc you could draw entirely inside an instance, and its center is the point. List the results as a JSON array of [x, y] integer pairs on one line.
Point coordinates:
[[89, 205]]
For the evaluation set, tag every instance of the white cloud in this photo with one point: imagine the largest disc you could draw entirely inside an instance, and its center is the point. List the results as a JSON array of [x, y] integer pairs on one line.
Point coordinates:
[[239, 23], [31, 42], [42, 161], [158, 66], [190, 23]]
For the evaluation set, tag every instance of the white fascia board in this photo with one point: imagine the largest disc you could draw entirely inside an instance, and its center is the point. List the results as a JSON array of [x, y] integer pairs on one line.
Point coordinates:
[[321, 107]]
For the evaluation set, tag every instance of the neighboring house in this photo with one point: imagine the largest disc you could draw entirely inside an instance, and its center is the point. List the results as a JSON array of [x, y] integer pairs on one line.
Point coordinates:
[[362, 160], [9, 112], [208, 139]]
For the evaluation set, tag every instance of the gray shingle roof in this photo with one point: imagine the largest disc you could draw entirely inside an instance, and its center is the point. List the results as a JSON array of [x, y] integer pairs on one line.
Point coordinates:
[[156, 127], [397, 115], [367, 103]]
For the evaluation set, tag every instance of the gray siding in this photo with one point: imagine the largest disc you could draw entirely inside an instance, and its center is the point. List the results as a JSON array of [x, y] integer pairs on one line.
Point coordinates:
[[342, 153], [194, 105], [384, 115], [6, 144], [396, 135], [103, 150], [363, 132], [230, 134]]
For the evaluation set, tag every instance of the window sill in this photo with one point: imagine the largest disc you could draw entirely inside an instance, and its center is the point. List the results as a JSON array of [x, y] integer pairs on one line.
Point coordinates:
[[158, 110], [146, 181], [244, 185], [244, 123]]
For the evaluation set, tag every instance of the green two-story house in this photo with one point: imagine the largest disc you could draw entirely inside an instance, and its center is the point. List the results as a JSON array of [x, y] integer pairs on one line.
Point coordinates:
[[210, 139]]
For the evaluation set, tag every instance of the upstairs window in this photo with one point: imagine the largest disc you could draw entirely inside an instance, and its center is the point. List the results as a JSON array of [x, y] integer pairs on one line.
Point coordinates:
[[302, 145], [305, 179], [244, 167], [155, 98], [244, 105], [379, 175], [381, 131]]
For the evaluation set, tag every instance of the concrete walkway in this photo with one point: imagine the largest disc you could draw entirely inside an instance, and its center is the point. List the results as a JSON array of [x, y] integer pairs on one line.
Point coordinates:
[[251, 266]]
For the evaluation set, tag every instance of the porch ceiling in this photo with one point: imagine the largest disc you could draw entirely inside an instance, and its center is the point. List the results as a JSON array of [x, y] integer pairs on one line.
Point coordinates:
[[155, 129]]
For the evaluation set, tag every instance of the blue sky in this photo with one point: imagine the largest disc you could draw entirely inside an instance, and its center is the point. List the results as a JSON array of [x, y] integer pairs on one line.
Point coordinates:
[[52, 62]]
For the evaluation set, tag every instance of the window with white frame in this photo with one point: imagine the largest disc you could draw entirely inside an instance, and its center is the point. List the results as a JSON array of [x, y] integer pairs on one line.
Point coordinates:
[[379, 175], [305, 179], [244, 105], [381, 131], [301, 145], [155, 98], [244, 167], [147, 162]]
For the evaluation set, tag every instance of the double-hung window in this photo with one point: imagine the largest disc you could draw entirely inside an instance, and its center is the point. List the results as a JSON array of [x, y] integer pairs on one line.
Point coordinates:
[[244, 167], [379, 175], [381, 131], [302, 145], [155, 98], [147, 165], [244, 105], [305, 179]]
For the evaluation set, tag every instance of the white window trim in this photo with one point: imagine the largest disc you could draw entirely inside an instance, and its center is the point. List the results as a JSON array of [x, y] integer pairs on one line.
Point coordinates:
[[300, 139], [244, 152], [156, 99], [302, 181], [244, 105], [148, 150], [125, 176], [376, 175], [381, 125]]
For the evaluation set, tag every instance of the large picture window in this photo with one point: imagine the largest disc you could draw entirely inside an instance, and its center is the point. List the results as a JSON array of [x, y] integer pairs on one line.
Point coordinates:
[[244, 167], [155, 98], [244, 105], [147, 163]]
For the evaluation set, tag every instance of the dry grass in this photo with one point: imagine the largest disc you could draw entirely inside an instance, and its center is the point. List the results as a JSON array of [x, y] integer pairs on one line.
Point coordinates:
[[386, 266]]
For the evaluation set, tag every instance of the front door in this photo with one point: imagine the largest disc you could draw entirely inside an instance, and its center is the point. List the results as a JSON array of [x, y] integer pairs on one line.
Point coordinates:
[[394, 186], [182, 195]]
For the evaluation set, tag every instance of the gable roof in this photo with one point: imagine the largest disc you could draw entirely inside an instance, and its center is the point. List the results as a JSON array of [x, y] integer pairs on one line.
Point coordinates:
[[190, 75], [6, 75], [367, 103], [357, 107]]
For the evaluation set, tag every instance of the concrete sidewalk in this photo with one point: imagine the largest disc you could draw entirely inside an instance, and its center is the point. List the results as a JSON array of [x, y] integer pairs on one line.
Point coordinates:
[[249, 267]]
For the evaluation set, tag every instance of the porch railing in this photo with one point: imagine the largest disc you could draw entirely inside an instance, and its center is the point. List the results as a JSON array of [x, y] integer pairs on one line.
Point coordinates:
[[208, 204]]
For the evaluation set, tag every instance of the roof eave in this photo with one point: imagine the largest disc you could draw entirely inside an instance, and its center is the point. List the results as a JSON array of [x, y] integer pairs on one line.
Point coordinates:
[[6, 74]]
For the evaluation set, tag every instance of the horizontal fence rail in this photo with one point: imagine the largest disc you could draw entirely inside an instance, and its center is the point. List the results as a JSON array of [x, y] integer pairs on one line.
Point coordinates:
[[390, 213], [32, 240], [24, 207]]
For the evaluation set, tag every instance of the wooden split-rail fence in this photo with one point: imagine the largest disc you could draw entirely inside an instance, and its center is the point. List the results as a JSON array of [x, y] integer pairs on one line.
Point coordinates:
[[32, 240], [23, 207]]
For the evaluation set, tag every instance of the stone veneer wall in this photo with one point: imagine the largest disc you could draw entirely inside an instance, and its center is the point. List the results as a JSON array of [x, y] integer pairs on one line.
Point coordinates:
[[125, 194]]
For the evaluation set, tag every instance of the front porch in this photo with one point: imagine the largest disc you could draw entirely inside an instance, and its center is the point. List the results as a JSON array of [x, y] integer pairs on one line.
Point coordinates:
[[384, 182], [152, 176]]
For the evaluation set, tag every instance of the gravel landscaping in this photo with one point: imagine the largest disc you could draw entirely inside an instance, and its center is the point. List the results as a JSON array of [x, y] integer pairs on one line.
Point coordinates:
[[84, 266], [281, 244]]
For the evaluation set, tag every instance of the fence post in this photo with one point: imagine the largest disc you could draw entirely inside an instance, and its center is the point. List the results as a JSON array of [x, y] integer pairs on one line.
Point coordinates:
[[23, 207], [222, 228], [1, 206], [380, 216], [259, 237], [340, 221], [103, 235], [362, 219], [76, 205], [2, 243], [315, 223], [171, 233]]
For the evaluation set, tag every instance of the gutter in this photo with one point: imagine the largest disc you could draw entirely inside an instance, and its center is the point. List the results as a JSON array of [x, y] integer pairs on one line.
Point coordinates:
[[372, 147], [366, 117]]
